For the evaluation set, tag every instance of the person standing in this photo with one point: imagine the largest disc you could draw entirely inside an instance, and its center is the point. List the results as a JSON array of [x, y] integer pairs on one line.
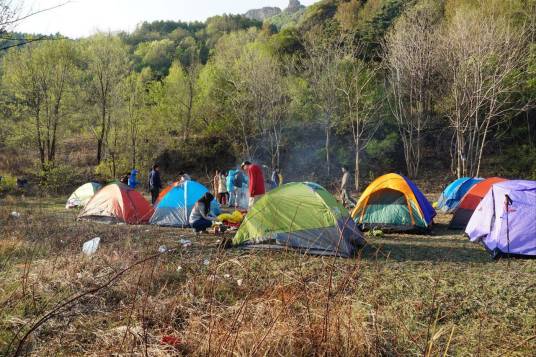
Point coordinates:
[[276, 178], [216, 183], [229, 181], [155, 183], [133, 179], [345, 185], [256, 181], [183, 177], [223, 193]]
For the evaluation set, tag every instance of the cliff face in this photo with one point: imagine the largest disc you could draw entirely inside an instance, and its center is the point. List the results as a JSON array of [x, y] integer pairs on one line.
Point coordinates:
[[294, 6], [262, 14], [268, 12]]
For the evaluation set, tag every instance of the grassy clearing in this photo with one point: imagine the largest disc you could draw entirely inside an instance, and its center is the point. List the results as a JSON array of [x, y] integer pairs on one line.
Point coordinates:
[[404, 295]]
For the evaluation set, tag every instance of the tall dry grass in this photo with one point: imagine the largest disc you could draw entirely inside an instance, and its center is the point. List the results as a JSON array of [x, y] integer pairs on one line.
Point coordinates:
[[404, 295]]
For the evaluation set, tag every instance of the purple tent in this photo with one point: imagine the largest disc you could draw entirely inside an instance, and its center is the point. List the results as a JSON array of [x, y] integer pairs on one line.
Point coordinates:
[[505, 220]]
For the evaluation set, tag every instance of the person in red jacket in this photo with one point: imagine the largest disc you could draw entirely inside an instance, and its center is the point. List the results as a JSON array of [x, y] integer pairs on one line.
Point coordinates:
[[256, 181]]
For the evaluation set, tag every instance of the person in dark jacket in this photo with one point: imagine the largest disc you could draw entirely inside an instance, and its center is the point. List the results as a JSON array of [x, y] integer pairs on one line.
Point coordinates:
[[155, 183]]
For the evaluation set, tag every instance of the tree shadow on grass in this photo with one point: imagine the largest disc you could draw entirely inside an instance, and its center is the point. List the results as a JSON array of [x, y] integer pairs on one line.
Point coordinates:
[[401, 251]]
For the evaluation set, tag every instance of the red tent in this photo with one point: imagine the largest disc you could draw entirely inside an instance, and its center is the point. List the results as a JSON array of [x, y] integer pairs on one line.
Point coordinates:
[[470, 201], [118, 203]]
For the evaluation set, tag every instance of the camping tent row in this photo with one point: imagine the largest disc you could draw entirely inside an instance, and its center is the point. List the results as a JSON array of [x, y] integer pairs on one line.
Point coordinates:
[[117, 202], [301, 216]]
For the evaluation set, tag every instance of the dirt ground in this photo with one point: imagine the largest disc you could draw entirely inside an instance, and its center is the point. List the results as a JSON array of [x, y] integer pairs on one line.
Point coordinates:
[[436, 294]]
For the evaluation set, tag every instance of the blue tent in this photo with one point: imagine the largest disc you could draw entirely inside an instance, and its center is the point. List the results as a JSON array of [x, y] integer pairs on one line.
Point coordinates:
[[452, 195], [174, 209]]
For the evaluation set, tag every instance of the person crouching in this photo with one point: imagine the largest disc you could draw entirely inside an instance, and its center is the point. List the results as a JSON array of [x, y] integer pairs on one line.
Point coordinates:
[[200, 218]]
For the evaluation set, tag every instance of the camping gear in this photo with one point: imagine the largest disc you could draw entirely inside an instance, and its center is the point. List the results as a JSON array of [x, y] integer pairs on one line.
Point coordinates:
[[117, 203], [81, 196], [393, 203], [453, 193], [470, 201], [302, 216], [505, 220], [173, 209]]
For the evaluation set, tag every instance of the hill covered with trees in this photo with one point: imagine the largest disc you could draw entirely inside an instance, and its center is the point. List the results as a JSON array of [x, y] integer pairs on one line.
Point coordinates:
[[409, 86]]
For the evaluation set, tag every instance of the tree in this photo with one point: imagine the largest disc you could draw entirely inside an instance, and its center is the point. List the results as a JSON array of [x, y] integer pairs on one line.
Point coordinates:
[[321, 66], [107, 65], [134, 93], [358, 84], [180, 90], [41, 79], [411, 62], [484, 60]]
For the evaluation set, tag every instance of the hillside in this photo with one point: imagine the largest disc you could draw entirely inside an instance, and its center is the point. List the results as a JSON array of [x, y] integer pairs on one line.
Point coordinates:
[[220, 70]]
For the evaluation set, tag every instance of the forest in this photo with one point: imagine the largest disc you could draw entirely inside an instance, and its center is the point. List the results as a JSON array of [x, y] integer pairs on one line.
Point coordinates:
[[421, 87]]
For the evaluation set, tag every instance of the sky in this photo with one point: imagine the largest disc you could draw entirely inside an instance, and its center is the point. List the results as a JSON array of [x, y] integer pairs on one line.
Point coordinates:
[[81, 18]]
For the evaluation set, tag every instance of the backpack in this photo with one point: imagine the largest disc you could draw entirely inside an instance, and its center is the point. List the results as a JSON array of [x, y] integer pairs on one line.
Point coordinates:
[[238, 179]]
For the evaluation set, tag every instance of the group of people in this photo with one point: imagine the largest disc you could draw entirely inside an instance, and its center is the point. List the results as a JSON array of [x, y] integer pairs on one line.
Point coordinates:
[[227, 188]]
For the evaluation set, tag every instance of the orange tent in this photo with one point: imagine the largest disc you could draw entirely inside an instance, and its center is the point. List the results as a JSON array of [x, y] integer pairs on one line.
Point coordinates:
[[470, 201], [118, 203]]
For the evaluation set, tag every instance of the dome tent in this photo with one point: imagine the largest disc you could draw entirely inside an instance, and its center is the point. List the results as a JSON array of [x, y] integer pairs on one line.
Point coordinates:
[[81, 196], [117, 203], [470, 201], [174, 208], [301, 216], [505, 220], [453, 193], [393, 202]]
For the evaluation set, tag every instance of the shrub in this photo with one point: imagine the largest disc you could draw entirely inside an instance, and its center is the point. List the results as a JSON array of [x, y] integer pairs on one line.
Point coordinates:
[[8, 185], [59, 179]]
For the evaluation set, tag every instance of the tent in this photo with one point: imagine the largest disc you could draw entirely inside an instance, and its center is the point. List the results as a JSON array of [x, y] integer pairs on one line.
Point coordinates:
[[117, 203], [301, 216], [468, 203], [451, 196], [81, 196], [505, 220], [392, 202], [173, 209]]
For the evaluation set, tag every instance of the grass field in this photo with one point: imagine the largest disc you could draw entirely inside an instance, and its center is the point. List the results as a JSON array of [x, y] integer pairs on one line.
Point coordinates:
[[434, 295]]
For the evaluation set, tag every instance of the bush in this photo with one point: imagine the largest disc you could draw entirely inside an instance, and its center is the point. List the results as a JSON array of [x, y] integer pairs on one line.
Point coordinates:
[[8, 185], [59, 179]]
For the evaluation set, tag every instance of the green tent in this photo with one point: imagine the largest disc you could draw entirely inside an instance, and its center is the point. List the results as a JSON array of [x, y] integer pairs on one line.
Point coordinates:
[[82, 195], [302, 216]]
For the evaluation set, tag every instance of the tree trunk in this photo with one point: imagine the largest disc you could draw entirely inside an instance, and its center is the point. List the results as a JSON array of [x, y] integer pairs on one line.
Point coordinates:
[[327, 146], [357, 170]]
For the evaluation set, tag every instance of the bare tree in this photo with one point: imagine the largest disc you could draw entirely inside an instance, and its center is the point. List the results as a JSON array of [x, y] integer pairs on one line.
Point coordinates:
[[12, 13], [261, 100], [358, 83], [484, 59], [321, 71], [410, 58]]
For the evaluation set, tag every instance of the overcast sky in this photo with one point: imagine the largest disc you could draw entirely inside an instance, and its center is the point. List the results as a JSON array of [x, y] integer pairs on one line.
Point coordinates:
[[80, 18]]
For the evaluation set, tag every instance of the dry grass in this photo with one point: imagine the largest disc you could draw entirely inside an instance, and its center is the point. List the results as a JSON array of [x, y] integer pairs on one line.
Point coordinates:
[[405, 294]]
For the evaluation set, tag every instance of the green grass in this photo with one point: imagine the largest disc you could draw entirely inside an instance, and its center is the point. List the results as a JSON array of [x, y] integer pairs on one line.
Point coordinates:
[[404, 294]]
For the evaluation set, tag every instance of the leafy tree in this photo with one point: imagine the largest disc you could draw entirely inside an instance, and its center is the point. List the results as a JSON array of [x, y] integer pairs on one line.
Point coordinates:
[[107, 65], [41, 78]]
